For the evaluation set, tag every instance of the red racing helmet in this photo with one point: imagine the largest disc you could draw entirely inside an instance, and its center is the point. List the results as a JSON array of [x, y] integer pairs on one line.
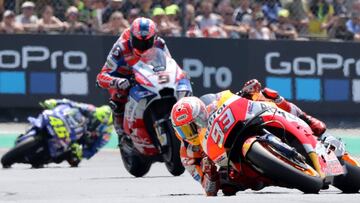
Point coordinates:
[[188, 116], [142, 35]]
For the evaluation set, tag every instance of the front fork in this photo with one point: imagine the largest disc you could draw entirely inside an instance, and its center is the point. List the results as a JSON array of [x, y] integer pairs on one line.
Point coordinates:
[[161, 133]]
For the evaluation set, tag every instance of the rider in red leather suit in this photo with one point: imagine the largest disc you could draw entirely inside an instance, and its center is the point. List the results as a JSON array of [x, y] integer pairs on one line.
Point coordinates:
[[126, 52]]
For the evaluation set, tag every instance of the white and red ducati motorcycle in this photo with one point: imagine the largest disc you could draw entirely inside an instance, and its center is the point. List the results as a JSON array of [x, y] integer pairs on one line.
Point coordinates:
[[159, 83]]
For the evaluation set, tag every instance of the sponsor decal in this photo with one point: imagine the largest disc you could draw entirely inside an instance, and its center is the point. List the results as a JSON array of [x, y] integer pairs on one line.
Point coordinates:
[[34, 70], [220, 77]]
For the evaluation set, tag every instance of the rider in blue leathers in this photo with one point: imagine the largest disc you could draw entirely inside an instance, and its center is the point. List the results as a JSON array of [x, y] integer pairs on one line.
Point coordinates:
[[98, 128]]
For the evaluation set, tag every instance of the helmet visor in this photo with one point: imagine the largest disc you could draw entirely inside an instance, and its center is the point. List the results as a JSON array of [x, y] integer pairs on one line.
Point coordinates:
[[142, 44], [188, 132]]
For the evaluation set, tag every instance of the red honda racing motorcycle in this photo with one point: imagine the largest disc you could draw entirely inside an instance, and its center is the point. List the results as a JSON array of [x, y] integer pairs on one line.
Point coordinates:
[[269, 146]]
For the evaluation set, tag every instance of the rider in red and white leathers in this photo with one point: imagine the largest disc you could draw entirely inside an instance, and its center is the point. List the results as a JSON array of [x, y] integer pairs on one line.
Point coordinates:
[[117, 70], [196, 161]]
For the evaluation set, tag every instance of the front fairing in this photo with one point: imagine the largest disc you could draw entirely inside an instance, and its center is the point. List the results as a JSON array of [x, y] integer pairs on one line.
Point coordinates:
[[156, 71]]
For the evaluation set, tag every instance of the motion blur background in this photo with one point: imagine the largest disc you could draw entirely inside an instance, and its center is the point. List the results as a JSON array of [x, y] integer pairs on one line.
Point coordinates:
[[305, 49]]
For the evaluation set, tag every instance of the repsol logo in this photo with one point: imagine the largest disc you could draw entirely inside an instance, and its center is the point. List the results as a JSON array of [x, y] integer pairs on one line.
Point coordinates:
[[212, 118], [196, 69], [71, 60], [305, 65]]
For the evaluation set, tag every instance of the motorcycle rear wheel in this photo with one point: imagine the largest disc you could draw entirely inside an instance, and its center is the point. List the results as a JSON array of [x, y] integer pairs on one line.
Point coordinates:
[[349, 182], [17, 154], [280, 171]]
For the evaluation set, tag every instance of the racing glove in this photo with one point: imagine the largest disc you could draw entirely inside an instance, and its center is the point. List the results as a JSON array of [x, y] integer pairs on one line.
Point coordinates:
[[210, 180], [251, 87], [121, 83]]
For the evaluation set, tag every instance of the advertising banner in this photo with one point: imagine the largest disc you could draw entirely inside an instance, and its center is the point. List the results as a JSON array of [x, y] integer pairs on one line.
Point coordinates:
[[322, 77], [37, 67]]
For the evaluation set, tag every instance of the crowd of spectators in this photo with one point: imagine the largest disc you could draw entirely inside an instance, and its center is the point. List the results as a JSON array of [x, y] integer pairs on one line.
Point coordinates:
[[254, 19]]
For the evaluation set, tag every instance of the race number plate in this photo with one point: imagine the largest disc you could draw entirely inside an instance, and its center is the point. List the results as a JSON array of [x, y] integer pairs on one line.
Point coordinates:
[[333, 166]]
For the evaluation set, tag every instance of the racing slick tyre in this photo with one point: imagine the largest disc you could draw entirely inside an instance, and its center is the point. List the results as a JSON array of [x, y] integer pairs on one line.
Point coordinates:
[[282, 172], [349, 182], [172, 157], [18, 153], [134, 163]]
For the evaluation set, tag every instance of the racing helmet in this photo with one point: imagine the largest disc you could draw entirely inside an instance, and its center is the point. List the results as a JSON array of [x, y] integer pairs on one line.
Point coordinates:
[[104, 115], [188, 116], [142, 35]]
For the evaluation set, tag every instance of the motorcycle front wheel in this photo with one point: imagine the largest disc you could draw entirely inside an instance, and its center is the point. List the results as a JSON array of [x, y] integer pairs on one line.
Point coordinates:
[[20, 151], [282, 172], [134, 163], [349, 182], [172, 156]]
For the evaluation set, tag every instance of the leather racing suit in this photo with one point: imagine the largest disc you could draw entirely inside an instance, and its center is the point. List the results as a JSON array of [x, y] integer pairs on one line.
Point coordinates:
[[118, 66]]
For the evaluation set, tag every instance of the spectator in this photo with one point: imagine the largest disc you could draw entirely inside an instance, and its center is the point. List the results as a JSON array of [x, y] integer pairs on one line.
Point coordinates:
[[49, 23], [9, 25], [321, 18], [222, 5], [73, 25], [129, 5], [270, 10], [232, 28], [353, 25], [133, 14], [259, 29], [339, 29], [297, 14], [283, 29], [145, 8], [85, 10], [116, 25], [193, 29], [98, 7], [172, 13], [207, 18], [27, 18], [114, 5], [340, 7], [243, 13], [163, 25]]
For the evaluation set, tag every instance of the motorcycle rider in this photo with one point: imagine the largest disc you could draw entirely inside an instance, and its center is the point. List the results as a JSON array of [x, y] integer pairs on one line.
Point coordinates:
[[252, 90], [98, 128], [126, 51], [189, 117]]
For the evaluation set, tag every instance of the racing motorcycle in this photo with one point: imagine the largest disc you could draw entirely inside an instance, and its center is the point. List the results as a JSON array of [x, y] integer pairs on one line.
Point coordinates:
[[158, 84], [48, 138], [269, 146]]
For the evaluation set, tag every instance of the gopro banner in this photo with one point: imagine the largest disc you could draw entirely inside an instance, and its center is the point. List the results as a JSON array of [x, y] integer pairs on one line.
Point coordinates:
[[37, 67], [321, 77]]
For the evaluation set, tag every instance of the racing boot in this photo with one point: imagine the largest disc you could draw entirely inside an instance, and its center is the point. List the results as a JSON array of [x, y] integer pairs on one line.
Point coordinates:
[[118, 118]]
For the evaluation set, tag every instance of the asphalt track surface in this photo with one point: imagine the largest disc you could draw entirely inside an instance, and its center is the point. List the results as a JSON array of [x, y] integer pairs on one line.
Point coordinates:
[[104, 179]]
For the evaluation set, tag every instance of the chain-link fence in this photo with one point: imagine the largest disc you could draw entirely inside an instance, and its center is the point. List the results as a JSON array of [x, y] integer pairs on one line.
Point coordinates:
[[254, 19]]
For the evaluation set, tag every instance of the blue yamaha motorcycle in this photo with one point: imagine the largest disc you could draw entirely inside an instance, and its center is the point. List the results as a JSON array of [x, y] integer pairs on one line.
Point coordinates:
[[48, 139]]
